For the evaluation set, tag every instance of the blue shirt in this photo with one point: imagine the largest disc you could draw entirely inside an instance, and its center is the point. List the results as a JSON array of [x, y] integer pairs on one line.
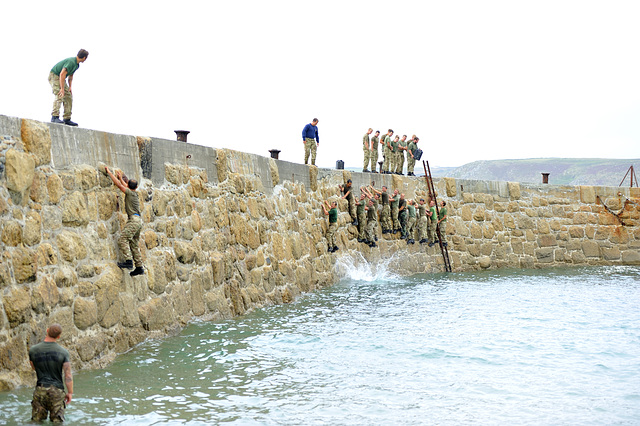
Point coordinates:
[[310, 131]]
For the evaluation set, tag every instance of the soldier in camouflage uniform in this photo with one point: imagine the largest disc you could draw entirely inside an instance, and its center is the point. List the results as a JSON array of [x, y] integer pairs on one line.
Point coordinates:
[[347, 190], [394, 212], [402, 147], [362, 218], [421, 229], [372, 223], [411, 221], [433, 223], [50, 361], [373, 153], [129, 241], [411, 161], [366, 149], [385, 213], [386, 149], [333, 224], [394, 155]]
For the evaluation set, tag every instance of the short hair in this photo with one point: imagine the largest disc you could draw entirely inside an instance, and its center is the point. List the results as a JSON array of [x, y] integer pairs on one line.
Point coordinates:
[[384, 186], [349, 181], [391, 130], [377, 131], [417, 139], [54, 331], [315, 120], [404, 136], [444, 203], [422, 199], [133, 184], [370, 129], [83, 54]]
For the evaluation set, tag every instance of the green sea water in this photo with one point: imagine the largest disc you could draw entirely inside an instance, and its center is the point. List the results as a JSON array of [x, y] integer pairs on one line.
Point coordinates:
[[526, 347]]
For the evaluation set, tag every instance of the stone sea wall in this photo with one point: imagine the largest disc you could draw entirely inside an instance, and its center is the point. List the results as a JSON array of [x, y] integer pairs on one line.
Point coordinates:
[[226, 232]]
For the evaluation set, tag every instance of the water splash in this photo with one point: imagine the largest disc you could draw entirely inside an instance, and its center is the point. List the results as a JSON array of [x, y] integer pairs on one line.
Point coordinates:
[[354, 266]]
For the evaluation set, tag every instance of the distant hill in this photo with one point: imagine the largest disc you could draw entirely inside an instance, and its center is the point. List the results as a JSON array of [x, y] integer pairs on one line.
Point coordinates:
[[562, 171]]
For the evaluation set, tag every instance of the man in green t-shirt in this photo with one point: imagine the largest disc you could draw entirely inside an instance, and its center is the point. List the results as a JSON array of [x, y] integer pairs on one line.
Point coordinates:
[[411, 221], [394, 155], [393, 202], [50, 361], [332, 212], [372, 224], [130, 235], [423, 221], [386, 150], [442, 222], [402, 147], [60, 74], [411, 161], [373, 153], [366, 149], [362, 218], [431, 230]]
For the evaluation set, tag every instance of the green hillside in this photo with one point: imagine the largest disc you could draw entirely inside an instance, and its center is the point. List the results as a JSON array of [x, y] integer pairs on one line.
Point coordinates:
[[562, 171]]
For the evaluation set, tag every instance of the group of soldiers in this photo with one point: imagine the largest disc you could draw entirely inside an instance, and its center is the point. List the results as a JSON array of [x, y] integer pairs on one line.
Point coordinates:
[[394, 150], [414, 219]]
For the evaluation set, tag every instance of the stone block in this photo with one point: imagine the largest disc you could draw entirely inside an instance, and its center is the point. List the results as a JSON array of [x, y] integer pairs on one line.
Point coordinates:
[[514, 190], [19, 171], [590, 249], [25, 266], [484, 262], [547, 240], [74, 210], [612, 253], [37, 140], [17, 306], [84, 313], [450, 186], [11, 233], [631, 257], [13, 354], [479, 213], [185, 253], [70, 246], [544, 255]]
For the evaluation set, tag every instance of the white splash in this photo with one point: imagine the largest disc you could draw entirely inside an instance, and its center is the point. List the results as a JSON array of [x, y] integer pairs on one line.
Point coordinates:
[[354, 266]]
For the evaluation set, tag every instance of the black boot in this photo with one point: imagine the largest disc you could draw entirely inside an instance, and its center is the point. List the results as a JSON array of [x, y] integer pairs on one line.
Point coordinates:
[[330, 250], [56, 119], [335, 248], [68, 122], [138, 271], [127, 264], [355, 222]]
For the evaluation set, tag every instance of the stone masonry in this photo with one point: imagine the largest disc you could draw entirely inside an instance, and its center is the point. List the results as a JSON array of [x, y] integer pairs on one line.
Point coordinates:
[[233, 233]]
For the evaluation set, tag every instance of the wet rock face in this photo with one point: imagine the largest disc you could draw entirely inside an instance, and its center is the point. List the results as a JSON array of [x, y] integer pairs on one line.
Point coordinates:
[[213, 250]]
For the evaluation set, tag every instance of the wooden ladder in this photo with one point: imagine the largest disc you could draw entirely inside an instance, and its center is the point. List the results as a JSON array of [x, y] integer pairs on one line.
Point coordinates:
[[432, 195]]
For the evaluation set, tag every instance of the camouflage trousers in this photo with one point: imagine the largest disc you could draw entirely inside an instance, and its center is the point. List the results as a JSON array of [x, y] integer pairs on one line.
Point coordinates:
[[399, 161], [388, 159], [331, 234], [394, 218], [352, 208], [443, 231], [362, 225], [129, 239], [310, 147], [66, 100], [411, 224], [371, 230], [421, 229], [402, 217], [366, 152], [373, 159], [411, 164], [385, 218], [48, 401], [431, 230]]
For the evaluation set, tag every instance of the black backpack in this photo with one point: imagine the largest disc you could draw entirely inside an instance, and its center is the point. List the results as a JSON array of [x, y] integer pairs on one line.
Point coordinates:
[[417, 154]]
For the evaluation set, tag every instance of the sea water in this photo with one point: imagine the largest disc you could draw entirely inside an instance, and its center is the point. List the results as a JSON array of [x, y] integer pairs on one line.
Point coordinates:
[[525, 347]]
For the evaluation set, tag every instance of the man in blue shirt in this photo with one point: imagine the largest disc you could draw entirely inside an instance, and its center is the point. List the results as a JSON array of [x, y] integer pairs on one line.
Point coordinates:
[[311, 141], [58, 76]]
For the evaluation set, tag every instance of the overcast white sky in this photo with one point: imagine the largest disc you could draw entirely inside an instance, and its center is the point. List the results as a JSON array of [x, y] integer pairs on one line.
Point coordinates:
[[476, 80]]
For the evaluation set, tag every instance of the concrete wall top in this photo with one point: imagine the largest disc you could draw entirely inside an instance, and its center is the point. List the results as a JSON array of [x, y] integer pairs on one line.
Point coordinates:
[[167, 151]]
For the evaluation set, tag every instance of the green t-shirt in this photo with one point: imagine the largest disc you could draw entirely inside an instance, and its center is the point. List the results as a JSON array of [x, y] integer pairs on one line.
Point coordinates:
[[442, 213], [394, 146], [394, 201], [387, 140], [131, 203], [385, 198], [371, 213], [365, 140], [434, 215], [333, 215], [422, 209], [346, 189], [48, 358], [402, 144], [71, 64], [412, 210], [360, 206], [412, 147], [375, 140]]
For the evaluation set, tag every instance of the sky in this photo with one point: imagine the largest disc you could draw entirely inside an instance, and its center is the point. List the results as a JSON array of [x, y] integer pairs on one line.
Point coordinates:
[[475, 80]]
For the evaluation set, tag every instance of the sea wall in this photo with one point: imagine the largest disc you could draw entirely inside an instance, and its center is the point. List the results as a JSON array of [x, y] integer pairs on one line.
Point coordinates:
[[226, 232]]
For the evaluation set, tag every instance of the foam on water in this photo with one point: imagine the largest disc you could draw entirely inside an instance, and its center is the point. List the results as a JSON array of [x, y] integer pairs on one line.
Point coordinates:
[[355, 267]]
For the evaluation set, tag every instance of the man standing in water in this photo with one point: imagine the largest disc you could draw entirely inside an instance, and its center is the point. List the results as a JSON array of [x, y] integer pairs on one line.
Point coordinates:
[[333, 224], [50, 361], [130, 236], [311, 140], [58, 77]]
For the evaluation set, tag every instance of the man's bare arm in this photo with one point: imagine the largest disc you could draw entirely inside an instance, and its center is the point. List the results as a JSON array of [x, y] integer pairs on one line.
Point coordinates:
[[68, 380]]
